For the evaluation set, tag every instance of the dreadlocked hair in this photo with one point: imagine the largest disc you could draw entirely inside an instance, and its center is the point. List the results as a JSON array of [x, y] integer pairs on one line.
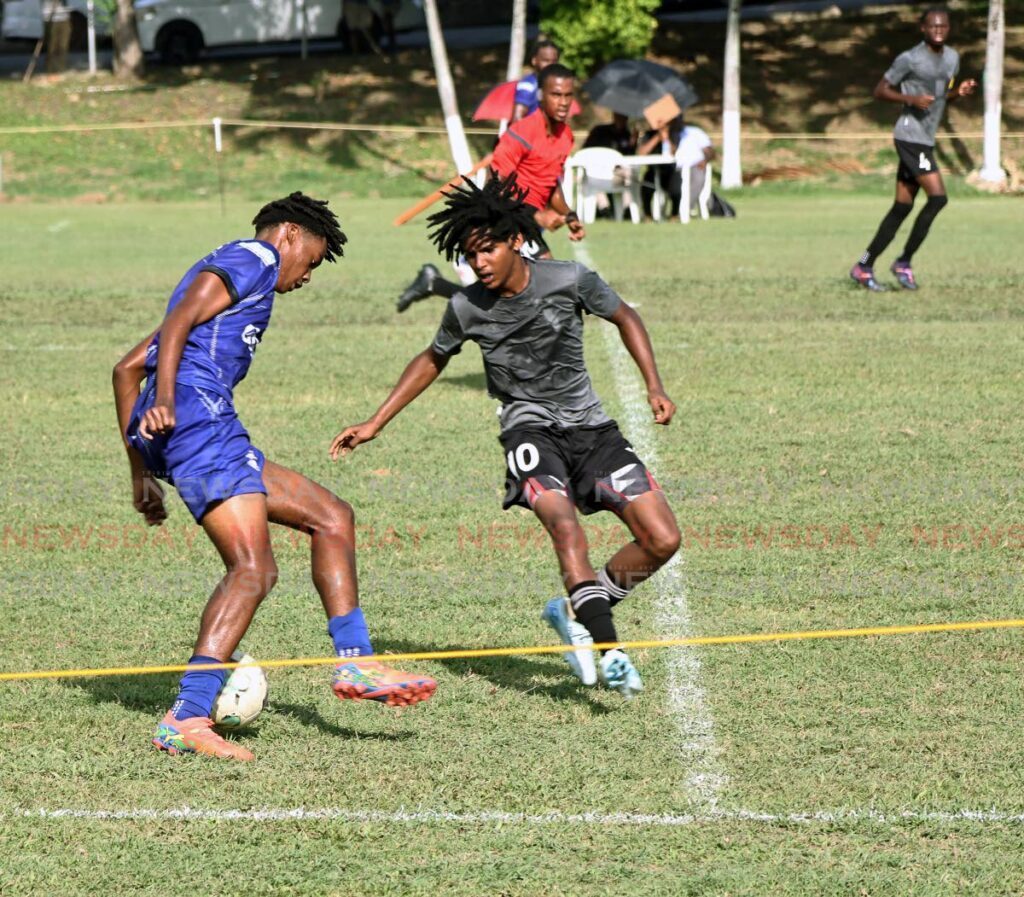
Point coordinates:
[[308, 213], [496, 209]]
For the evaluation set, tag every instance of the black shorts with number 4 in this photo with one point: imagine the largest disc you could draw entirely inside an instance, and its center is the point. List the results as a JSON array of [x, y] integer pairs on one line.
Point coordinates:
[[595, 467], [916, 159]]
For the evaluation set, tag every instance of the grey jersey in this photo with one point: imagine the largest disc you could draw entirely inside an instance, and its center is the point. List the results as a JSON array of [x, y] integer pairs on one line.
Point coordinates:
[[532, 343], [922, 71]]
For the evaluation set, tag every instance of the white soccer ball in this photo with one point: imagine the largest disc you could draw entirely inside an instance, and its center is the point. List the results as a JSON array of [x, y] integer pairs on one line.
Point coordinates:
[[243, 697]]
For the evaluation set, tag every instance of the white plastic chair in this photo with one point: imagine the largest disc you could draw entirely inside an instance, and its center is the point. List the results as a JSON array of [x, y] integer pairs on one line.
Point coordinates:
[[703, 198], [593, 174]]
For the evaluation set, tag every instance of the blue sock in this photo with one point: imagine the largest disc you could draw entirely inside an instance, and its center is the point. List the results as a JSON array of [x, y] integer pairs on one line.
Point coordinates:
[[198, 689], [349, 633]]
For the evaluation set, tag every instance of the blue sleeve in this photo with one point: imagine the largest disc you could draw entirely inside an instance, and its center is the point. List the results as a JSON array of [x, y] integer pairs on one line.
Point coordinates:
[[526, 91], [247, 267]]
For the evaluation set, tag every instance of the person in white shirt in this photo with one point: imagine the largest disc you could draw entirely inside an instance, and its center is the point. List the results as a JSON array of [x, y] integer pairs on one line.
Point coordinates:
[[693, 153]]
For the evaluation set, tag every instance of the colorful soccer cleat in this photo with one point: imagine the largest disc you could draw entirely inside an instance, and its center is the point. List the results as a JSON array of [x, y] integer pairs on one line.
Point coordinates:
[[421, 287], [904, 274], [195, 735], [865, 276], [618, 673], [581, 661], [372, 680]]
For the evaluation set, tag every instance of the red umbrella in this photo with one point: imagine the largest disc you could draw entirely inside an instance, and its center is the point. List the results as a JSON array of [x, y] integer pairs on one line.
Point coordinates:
[[500, 101]]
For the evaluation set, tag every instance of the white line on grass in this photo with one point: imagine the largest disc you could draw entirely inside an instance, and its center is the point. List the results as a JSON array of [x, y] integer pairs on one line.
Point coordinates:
[[489, 817], [704, 777]]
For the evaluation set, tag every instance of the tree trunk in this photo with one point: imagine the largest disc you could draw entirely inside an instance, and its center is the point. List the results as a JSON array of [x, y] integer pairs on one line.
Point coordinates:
[[516, 48], [446, 90], [992, 169], [732, 175], [128, 58]]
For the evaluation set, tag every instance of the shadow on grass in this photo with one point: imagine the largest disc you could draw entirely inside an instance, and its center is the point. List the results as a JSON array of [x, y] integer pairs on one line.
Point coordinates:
[[153, 694], [468, 381], [310, 717], [518, 674]]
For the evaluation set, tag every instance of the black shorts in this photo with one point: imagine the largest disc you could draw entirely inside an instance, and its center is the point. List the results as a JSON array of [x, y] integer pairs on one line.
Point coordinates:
[[593, 466], [916, 159]]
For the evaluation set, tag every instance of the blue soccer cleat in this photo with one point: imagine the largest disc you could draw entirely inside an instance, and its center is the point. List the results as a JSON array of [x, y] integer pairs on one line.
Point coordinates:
[[581, 661], [618, 673]]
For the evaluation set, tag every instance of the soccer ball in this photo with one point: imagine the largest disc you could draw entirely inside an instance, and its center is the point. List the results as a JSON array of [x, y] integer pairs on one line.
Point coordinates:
[[243, 697]]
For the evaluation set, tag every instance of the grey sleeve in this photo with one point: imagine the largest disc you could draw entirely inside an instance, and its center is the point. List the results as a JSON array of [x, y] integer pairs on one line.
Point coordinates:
[[596, 297], [449, 338], [899, 69]]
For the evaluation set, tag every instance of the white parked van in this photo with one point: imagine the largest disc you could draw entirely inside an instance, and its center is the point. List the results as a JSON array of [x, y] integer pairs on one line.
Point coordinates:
[[179, 29], [23, 20]]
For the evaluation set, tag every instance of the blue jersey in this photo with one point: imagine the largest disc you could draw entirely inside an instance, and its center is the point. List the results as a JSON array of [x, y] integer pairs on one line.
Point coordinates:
[[528, 92], [218, 352]]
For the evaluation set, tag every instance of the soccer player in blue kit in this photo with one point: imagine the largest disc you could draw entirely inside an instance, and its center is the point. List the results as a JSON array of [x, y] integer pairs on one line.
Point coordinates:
[[562, 451], [183, 428]]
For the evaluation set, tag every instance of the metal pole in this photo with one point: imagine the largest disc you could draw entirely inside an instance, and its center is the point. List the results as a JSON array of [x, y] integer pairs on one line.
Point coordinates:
[[218, 146], [90, 18], [305, 29]]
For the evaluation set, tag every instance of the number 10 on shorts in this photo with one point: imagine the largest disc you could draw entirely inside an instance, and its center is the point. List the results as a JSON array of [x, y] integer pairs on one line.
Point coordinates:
[[523, 458]]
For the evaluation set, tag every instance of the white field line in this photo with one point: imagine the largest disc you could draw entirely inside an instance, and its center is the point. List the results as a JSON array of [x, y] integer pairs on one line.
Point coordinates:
[[493, 817], [704, 778]]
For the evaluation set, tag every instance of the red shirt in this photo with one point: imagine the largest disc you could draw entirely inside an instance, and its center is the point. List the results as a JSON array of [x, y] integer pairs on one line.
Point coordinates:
[[537, 157]]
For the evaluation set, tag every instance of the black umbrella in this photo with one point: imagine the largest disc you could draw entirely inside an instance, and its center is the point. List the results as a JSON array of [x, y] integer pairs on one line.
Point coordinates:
[[629, 86]]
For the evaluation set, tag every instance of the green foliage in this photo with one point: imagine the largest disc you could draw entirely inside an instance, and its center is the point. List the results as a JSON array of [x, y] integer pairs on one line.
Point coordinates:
[[593, 32]]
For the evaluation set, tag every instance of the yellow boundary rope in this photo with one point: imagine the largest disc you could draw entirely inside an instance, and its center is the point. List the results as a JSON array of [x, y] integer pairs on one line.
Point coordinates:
[[421, 129], [755, 638]]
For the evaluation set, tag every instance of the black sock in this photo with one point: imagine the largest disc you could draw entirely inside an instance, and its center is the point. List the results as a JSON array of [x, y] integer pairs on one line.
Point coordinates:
[[922, 223], [446, 288], [590, 605], [886, 231], [615, 592]]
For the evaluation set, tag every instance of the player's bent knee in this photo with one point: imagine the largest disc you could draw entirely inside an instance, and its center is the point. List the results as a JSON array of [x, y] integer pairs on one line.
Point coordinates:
[[253, 579], [337, 518], [663, 543]]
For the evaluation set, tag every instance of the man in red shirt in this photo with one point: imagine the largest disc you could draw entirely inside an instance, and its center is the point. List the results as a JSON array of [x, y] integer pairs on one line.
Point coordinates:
[[535, 148]]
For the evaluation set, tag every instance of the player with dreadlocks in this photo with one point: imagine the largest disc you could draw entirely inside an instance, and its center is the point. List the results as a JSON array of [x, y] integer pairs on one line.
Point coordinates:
[[562, 451], [183, 428]]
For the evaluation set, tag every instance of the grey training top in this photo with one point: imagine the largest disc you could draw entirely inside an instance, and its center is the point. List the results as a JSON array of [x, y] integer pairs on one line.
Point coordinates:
[[532, 343], [922, 71]]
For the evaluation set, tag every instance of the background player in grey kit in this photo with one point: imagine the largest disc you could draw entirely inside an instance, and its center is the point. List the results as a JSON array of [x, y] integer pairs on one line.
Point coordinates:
[[921, 80], [562, 451]]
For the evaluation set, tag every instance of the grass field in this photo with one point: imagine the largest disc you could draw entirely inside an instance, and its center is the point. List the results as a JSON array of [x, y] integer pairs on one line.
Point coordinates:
[[838, 459]]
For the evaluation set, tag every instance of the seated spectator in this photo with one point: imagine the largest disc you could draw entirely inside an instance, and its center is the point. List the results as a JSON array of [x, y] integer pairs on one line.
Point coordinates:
[[616, 135], [664, 140]]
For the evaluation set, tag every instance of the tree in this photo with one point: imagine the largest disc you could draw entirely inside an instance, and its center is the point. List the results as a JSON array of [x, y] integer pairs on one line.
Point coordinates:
[[992, 170], [592, 32], [128, 58], [517, 42], [732, 175], [446, 90]]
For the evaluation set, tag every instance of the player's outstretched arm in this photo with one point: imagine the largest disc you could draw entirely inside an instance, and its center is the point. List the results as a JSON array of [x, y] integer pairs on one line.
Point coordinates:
[[637, 341], [423, 370], [147, 493], [206, 297]]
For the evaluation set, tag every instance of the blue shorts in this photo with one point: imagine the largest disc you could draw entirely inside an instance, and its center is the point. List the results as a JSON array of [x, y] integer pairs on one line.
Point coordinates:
[[207, 457]]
